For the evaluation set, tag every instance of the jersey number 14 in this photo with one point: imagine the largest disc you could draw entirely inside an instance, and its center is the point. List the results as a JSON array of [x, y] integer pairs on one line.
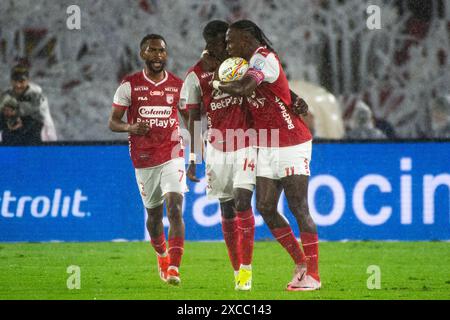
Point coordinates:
[[249, 164]]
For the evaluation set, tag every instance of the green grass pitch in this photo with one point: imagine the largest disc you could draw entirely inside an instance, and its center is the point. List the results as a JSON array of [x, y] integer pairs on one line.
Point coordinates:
[[127, 270]]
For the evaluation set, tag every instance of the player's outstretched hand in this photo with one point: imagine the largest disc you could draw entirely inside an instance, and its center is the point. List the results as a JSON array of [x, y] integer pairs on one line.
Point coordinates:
[[139, 128], [300, 107], [191, 171]]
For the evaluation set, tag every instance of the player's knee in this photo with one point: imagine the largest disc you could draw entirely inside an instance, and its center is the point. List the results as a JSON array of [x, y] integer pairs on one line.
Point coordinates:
[[227, 209], [261, 207], [298, 204], [154, 215], [228, 215], [175, 219], [270, 218], [265, 209], [243, 198], [174, 213], [174, 209], [243, 203]]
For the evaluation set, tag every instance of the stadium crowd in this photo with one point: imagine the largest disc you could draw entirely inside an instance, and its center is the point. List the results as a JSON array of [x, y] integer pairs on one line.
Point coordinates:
[[25, 117], [407, 97]]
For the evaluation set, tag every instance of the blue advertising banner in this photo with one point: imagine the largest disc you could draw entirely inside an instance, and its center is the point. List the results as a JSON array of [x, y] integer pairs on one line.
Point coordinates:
[[79, 193], [357, 191]]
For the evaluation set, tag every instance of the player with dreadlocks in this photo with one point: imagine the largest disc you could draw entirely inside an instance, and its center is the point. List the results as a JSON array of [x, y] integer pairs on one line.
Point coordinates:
[[230, 160], [284, 156]]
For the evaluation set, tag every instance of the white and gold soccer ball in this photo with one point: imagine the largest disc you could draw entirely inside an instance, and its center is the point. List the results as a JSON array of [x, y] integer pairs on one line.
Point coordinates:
[[233, 69]]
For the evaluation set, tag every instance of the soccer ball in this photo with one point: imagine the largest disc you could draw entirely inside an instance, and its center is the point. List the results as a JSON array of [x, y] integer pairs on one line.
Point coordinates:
[[232, 69]]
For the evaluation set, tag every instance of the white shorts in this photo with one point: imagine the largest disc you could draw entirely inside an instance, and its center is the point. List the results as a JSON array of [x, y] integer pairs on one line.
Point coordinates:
[[226, 171], [280, 162], [155, 182]]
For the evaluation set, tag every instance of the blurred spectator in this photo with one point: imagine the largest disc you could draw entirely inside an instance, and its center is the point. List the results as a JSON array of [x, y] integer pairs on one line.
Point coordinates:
[[440, 117], [31, 101], [363, 124], [16, 128]]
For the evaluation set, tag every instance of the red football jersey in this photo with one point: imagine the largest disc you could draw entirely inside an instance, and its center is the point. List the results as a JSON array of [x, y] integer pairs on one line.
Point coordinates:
[[270, 102], [157, 105], [227, 119]]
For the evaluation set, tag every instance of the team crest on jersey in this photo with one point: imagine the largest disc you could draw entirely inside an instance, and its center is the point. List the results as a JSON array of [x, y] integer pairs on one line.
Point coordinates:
[[170, 98], [259, 64]]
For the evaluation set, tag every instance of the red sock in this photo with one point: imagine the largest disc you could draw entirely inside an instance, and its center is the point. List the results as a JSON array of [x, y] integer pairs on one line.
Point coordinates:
[[231, 237], [246, 223], [310, 242], [159, 244], [176, 246], [286, 238]]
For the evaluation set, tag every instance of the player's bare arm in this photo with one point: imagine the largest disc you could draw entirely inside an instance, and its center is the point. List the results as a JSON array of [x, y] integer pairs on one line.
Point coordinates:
[[243, 87], [116, 123], [194, 117]]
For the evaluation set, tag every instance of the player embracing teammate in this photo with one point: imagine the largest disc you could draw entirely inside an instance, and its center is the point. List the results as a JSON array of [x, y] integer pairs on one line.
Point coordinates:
[[230, 159], [254, 137], [284, 148]]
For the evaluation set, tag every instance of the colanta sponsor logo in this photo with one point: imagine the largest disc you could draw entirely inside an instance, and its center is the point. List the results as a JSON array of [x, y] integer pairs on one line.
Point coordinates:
[[41, 206], [155, 111]]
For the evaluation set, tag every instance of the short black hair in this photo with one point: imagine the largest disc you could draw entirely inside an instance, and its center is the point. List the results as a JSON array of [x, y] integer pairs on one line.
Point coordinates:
[[254, 30], [152, 36], [19, 72], [213, 29]]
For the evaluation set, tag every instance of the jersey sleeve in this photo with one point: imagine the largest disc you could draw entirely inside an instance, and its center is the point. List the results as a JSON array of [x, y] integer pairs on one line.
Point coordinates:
[[191, 91], [264, 68], [122, 97], [183, 97]]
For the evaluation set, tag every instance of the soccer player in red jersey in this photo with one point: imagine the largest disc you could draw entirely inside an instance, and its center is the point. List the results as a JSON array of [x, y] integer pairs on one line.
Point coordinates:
[[284, 156], [230, 160], [150, 99]]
